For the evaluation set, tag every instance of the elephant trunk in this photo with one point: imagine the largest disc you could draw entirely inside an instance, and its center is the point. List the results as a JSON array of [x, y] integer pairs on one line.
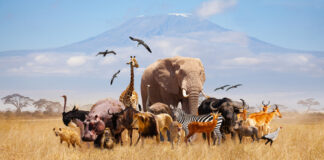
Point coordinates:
[[193, 102]]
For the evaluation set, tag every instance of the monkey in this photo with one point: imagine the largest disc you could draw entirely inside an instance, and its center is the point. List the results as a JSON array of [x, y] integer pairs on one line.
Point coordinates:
[[107, 140]]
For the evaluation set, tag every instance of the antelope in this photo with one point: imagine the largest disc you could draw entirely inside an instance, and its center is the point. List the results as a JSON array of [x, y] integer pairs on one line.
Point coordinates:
[[264, 109], [263, 120], [202, 127]]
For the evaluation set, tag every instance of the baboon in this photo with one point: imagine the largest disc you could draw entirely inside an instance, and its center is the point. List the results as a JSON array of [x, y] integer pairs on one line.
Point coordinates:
[[107, 140]]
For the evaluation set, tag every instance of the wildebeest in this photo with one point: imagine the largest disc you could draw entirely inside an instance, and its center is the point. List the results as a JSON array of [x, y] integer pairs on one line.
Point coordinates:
[[227, 108], [98, 119], [124, 119], [75, 115]]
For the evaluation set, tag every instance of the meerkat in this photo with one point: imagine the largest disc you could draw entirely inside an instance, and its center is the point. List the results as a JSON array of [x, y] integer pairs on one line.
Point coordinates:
[[68, 135], [107, 140]]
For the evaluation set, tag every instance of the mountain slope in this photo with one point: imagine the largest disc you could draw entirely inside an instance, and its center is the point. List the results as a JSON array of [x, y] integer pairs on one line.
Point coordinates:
[[155, 26]]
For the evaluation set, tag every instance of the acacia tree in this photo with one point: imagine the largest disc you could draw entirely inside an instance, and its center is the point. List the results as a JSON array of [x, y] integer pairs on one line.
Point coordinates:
[[17, 100], [49, 106], [308, 103]]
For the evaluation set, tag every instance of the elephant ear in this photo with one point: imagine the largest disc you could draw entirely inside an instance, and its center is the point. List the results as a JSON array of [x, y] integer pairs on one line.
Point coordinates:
[[165, 75]]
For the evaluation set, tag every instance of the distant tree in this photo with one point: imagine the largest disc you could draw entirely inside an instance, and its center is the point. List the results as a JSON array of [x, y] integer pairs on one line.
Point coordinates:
[[49, 106], [308, 103], [17, 100]]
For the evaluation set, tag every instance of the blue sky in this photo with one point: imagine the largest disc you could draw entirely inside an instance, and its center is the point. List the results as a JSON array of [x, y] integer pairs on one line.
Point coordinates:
[[282, 77], [36, 24]]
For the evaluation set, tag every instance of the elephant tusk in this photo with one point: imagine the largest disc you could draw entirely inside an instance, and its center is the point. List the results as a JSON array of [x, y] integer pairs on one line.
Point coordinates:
[[184, 93], [202, 92]]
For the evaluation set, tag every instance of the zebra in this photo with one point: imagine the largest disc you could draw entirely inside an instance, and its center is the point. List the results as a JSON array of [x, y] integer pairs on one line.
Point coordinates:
[[185, 119]]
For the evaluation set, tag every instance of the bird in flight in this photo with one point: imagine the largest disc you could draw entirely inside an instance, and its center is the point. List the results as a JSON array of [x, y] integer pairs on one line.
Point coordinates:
[[104, 53], [222, 87], [234, 86], [141, 42], [114, 76]]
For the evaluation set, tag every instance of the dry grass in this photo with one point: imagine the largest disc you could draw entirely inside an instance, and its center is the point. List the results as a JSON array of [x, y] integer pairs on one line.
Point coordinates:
[[301, 138]]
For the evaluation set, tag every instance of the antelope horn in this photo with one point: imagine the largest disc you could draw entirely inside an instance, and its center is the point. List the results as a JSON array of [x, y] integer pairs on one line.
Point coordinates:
[[243, 103], [268, 103], [184, 93], [276, 106], [263, 103]]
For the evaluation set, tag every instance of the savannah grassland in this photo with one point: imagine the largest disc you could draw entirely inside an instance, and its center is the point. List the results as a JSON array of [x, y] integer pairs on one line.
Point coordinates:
[[302, 137]]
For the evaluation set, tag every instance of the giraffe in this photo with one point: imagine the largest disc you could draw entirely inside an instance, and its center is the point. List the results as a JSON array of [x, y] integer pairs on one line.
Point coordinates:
[[129, 96]]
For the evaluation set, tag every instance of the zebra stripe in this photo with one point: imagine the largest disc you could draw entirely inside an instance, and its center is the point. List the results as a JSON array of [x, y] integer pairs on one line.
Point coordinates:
[[185, 119]]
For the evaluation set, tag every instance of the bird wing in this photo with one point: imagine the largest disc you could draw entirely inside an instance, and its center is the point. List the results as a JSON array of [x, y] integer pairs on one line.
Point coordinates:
[[272, 135], [112, 80], [113, 52], [114, 76], [147, 47], [238, 85], [217, 89], [229, 88], [100, 53], [225, 86], [117, 73], [134, 39]]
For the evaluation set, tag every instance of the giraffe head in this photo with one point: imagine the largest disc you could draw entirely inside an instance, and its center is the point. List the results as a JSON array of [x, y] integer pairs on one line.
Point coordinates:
[[133, 62]]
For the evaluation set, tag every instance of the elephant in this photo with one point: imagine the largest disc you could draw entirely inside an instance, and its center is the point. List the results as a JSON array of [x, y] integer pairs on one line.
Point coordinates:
[[173, 80]]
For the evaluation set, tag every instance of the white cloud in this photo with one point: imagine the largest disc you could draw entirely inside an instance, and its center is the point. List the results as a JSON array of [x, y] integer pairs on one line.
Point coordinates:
[[76, 61], [290, 63], [42, 59], [108, 60], [242, 61], [180, 14], [213, 7]]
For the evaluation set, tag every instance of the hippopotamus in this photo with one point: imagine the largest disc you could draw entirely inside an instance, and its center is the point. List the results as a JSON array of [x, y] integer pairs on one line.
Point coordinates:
[[98, 119]]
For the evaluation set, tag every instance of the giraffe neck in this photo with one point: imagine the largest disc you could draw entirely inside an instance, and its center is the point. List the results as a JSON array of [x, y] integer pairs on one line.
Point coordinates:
[[131, 83]]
